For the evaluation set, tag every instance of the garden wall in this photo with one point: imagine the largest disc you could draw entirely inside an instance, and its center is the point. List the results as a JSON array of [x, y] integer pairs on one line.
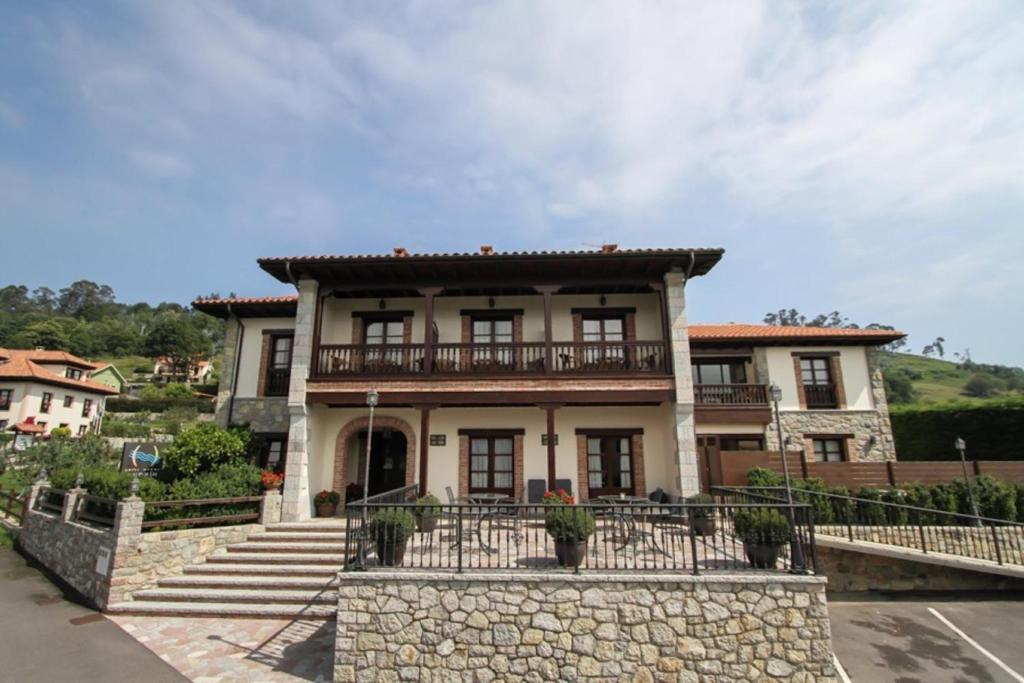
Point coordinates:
[[444, 626]]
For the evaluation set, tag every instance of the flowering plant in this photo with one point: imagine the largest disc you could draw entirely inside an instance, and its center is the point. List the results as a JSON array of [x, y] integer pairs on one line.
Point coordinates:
[[272, 480], [326, 497], [564, 521], [559, 497]]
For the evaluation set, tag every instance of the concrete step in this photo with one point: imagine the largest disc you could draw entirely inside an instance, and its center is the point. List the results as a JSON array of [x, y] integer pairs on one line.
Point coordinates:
[[309, 527], [257, 596], [335, 559], [288, 547], [253, 581], [297, 536], [241, 568], [224, 609]]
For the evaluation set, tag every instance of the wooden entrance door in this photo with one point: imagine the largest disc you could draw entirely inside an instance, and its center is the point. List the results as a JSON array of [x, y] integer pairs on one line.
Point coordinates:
[[708, 462]]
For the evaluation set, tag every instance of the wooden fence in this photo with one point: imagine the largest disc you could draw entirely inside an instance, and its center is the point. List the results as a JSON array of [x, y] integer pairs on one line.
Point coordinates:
[[733, 466]]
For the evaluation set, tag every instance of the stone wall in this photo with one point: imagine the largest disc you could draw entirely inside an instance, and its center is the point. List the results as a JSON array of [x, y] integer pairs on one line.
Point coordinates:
[[853, 571], [862, 424], [395, 626], [268, 414]]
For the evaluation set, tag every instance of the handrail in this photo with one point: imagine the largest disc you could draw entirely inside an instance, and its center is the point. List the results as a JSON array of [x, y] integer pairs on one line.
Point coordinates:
[[201, 501], [401, 493], [10, 501], [234, 518]]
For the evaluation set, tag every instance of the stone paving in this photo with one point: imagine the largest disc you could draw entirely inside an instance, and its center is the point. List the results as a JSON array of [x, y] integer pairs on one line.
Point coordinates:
[[220, 650]]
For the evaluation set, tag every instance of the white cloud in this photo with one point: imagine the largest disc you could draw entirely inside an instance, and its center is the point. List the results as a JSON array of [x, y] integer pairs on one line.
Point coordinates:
[[160, 164]]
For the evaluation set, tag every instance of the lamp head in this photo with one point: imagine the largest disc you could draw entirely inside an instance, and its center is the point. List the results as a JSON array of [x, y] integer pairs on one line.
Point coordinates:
[[960, 444], [775, 392], [371, 398]]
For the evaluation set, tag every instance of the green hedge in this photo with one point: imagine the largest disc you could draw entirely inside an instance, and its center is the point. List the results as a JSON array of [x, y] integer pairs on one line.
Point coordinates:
[[158, 405], [993, 430]]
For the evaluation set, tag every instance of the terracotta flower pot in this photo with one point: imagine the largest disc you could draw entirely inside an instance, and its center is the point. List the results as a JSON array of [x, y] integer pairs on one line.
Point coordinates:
[[571, 553], [390, 553], [703, 526], [426, 524], [326, 509]]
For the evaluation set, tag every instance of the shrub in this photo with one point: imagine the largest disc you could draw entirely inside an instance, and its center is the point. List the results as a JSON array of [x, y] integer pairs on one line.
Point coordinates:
[[392, 524], [427, 507], [158, 405], [1019, 492], [762, 526], [177, 390], [702, 506], [821, 505], [60, 432], [868, 510], [569, 523], [200, 448], [114, 427], [88, 451], [996, 499], [762, 477]]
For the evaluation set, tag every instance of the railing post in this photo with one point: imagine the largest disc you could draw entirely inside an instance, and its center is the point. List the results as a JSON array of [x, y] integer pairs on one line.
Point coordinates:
[[890, 472], [920, 533], [458, 535], [270, 508], [693, 550], [995, 540], [71, 503], [33, 495]]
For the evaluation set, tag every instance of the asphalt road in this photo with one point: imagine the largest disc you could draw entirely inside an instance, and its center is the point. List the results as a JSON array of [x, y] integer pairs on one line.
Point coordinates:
[[47, 638], [908, 641]]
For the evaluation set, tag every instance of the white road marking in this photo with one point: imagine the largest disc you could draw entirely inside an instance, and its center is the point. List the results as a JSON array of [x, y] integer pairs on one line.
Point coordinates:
[[998, 662], [840, 670]]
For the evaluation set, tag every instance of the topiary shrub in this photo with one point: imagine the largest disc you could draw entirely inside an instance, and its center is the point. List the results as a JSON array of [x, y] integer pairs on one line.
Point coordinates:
[[200, 448], [762, 526], [762, 477]]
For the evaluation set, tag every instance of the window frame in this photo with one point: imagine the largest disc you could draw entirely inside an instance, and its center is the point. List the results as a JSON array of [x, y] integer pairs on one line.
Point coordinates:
[[69, 401], [269, 441], [73, 373], [87, 407], [46, 402], [605, 436], [696, 365], [823, 439], [6, 398], [490, 439], [273, 338], [83, 430], [722, 438]]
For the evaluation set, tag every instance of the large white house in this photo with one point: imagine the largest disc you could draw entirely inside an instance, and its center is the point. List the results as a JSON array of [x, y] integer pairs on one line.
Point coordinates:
[[513, 373], [41, 390]]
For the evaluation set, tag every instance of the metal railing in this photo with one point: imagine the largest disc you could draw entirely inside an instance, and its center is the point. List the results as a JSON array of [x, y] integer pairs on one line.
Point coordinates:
[[403, 494], [731, 394], [861, 520], [694, 538], [820, 396]]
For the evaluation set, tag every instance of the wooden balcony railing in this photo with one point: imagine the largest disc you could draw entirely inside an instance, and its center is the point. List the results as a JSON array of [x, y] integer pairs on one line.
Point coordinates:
[[731, 394], [821, 395], [339, 360]]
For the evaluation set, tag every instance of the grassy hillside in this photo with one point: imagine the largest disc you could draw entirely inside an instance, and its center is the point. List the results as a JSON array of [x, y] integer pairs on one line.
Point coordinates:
[[937, 381]]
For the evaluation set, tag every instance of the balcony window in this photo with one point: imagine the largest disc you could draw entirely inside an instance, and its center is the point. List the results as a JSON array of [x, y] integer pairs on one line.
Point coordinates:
[[492, 464], [719, 371], [818, 383], [47, 401], [609, 465], [384, 332], [279, 365], [489, 333], [5, 399]]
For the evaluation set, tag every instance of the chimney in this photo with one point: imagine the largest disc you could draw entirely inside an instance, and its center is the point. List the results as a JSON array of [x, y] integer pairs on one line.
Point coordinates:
[[609, 248], [487, 250], [400, 252]]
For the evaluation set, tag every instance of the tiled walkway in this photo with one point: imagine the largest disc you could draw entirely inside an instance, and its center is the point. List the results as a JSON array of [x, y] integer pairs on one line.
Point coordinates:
[[238, 650]]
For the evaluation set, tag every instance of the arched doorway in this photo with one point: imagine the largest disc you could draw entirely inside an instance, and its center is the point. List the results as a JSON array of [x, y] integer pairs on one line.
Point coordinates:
[[392, 456]]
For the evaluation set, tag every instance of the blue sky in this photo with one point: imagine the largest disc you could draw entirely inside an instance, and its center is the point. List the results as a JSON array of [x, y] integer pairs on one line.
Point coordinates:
[[866, 157]]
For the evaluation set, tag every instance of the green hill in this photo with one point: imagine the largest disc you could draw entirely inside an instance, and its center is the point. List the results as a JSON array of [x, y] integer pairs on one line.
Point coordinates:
[[934, 380]]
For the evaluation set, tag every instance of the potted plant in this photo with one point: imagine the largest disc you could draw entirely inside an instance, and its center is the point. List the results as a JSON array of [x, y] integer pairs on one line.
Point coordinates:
[[569, 526], [272, 480], [701, 512], [426, 512], [763, 532], [327, 503], [390, 529]]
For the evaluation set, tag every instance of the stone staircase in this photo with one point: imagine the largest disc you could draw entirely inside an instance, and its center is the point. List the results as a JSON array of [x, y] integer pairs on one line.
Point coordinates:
[[289, 570]]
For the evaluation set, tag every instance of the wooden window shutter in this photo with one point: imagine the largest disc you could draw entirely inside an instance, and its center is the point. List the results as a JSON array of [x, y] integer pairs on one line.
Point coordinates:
[[799, 383], [837, 379]]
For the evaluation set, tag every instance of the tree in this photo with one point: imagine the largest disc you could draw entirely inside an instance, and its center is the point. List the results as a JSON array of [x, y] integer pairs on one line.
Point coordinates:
[[178, 339], [892, 347], [899, 388], [46, 334], [935, 348], [784, 318], [200, 448], [44, 300], [14, 299], [85, 299]]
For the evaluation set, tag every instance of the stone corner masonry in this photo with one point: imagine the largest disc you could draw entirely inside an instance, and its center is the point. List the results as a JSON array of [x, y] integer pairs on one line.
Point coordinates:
[[397, 626]]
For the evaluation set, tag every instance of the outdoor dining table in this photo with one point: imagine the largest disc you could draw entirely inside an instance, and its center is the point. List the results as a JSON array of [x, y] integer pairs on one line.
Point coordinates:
[[487, 511], [624, 519]]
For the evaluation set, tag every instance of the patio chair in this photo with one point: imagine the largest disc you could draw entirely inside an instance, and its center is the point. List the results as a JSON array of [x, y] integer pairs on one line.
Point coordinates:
[[670, 522]]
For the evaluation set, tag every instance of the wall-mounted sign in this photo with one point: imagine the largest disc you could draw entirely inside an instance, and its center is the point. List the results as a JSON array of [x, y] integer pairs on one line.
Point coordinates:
[[438, 439], [544, 439], [143, 459], [23, 441], [103, 561]]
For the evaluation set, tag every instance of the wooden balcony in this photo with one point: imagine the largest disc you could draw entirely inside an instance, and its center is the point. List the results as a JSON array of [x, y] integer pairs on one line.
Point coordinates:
[[821, 396], [731, 394], [503, 359]]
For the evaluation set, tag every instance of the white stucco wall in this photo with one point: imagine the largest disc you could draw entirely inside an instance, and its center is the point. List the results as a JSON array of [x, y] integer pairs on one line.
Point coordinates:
[[337, 315], [27, 398], [326, 423], [252, 347], [852, 360]]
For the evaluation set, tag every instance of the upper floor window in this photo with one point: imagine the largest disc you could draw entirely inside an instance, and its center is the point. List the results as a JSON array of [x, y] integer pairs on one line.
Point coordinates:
[[602, 328], [69, 401], [87, 407], [279, 365], [44, 404], [719, 371], [829, 449], [73, 373], [384, 331], [819, 388], [5, 398]]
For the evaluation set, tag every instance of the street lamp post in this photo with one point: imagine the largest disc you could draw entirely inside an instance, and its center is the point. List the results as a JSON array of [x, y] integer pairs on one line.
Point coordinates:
[[371, 400], [795, 550], [961, 446]]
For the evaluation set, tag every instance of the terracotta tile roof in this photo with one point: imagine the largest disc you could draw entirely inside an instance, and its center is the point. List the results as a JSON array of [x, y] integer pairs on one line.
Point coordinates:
[[28, 428], [47, 356], [775, 333], [18, 364], [243, 300], [490, 252]]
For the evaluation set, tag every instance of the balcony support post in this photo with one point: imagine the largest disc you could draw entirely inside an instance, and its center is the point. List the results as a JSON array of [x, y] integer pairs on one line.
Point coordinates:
[[318, 319], [666, 330], [428, 328], [547, 291], [550, 408], [424, 446]]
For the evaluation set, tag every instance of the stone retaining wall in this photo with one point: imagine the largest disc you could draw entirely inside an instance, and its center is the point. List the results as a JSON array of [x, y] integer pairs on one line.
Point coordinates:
[[395, 626]]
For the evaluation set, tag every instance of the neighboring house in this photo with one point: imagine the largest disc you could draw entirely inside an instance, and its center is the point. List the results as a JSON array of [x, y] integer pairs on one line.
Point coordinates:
[[199, 372], [40, 390], [519, 372], [107, 373]]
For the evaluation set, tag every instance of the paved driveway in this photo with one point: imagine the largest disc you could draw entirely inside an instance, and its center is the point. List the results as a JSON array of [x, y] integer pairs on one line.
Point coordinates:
[[930, 641], [47, 638]]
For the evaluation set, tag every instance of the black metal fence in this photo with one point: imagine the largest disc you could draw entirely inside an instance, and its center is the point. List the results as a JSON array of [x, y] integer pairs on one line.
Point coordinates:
[[723, 536], [862, 520]]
